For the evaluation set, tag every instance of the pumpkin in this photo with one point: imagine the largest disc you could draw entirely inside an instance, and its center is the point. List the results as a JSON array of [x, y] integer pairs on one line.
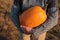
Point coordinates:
[[33, 17]]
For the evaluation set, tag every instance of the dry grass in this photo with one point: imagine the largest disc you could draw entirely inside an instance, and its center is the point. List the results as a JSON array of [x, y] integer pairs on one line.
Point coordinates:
[[8, 30], [5, 5]]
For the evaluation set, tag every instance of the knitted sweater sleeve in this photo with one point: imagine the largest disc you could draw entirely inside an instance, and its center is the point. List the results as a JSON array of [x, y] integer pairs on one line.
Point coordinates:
[[52, 13]]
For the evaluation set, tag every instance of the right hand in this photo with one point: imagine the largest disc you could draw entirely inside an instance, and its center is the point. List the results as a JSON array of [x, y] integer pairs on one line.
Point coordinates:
[[26, 29]]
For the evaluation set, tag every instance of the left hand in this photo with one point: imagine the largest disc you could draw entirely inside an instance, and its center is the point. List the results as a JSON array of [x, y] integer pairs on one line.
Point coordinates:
[[26, 30]]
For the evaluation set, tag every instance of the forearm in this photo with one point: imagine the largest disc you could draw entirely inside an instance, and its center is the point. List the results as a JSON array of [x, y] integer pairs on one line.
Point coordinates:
[[14, 16], [50, 22]]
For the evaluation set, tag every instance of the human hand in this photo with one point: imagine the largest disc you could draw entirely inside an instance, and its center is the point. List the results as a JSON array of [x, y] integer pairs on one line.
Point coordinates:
[[26, 30]]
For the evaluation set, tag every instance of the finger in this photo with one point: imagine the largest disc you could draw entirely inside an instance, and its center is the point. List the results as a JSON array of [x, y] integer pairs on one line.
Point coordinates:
[[28, 29], [22, 26]]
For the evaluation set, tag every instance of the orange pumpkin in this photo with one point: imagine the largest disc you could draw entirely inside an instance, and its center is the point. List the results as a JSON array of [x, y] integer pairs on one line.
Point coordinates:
[[33, 17]]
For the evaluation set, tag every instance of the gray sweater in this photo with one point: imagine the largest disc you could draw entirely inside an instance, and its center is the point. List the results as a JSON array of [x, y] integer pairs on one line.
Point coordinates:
[[52, 12], [51, 7]]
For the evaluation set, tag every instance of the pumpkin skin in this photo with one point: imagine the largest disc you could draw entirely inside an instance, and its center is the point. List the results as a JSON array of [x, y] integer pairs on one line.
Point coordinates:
[[33, 17]]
